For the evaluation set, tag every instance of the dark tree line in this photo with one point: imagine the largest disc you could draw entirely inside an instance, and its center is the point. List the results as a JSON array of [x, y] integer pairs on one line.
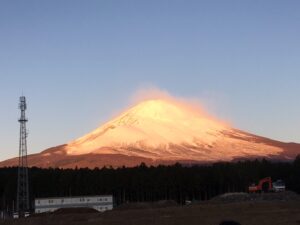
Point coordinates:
[[142, 183]]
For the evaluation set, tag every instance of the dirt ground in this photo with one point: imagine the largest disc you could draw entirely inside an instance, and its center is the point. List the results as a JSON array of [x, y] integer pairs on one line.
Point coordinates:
[[274, 211]]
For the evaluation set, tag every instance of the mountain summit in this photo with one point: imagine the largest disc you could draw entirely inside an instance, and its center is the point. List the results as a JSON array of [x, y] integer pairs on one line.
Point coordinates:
[[161, 131], [153, 128]]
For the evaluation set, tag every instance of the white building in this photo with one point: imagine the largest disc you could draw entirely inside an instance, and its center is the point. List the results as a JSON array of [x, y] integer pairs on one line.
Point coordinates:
[[99, 203]]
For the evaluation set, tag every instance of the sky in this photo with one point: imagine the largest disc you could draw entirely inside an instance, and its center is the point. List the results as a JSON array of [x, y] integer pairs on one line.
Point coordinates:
[[80, 62]]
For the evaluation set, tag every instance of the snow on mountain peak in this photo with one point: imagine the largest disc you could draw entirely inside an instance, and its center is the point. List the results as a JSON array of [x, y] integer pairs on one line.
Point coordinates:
[[168, 129], [154, 123], [159, 110]]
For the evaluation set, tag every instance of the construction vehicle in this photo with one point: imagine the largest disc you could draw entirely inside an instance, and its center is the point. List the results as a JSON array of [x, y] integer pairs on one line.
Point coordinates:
[[266, 185]]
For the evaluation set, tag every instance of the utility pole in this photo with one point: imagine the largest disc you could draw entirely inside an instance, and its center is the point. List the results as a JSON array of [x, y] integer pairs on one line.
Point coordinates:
[[23, 189]]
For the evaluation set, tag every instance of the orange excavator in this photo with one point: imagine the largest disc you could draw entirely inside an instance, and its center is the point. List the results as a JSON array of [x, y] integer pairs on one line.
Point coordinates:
[[264, 185]]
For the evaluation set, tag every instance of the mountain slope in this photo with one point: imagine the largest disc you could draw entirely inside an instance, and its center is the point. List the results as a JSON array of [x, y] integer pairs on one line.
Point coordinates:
[[161, 131]]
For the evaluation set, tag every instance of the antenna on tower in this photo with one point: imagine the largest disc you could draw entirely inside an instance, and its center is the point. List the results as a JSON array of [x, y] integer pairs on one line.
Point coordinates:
[[23, 189]]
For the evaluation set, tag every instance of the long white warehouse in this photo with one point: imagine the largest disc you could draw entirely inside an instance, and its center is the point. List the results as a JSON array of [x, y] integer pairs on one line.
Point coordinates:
[[99, 203]]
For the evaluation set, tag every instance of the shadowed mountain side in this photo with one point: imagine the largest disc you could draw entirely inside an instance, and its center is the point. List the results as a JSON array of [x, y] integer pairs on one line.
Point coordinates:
[[56, 158]]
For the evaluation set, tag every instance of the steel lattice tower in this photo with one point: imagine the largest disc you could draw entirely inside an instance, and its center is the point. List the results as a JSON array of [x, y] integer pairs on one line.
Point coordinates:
[[23, 190]]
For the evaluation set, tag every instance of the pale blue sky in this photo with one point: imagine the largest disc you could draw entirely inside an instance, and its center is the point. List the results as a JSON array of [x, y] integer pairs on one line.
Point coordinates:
[[78, 62]]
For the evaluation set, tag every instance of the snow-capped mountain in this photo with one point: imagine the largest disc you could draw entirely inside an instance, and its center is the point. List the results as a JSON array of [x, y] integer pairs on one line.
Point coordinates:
[[161, 131]]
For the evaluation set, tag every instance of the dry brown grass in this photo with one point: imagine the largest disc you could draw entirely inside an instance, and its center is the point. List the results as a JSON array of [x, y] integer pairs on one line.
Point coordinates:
[[247, 213]]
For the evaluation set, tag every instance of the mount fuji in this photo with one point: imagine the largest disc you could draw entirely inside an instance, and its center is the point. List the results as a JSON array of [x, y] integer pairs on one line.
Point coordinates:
[[161, 131]]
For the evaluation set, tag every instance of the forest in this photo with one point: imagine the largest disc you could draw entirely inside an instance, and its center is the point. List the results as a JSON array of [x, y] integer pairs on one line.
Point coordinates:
[[147, 184]]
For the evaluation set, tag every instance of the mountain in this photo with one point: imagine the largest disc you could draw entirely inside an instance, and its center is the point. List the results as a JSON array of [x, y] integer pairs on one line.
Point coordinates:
[[161, 131]]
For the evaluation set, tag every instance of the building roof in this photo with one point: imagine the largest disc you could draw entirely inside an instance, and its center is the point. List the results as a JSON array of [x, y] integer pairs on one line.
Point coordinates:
[[69, 197]]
